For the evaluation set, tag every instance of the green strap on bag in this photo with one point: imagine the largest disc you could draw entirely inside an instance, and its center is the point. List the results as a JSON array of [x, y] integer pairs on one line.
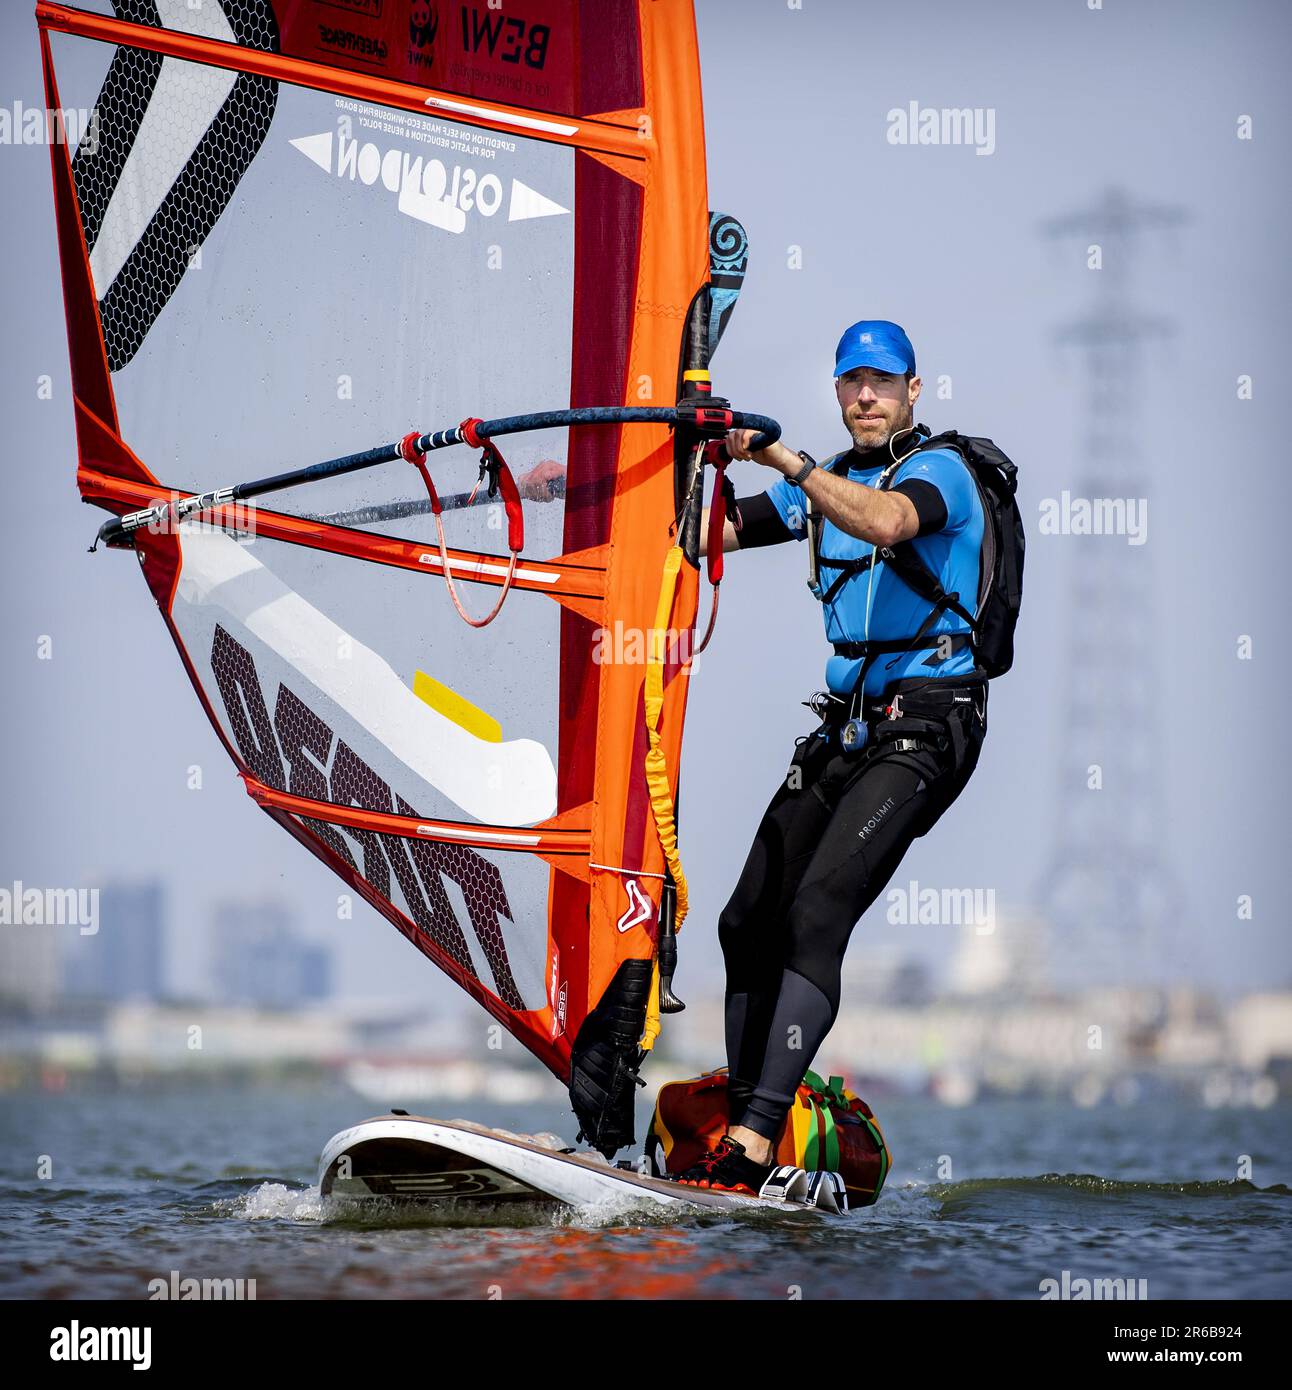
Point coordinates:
[[822, 1151]]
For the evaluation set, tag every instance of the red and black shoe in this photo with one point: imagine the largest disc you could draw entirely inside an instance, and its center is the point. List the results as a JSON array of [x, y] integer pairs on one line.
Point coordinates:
[[726, 1168]]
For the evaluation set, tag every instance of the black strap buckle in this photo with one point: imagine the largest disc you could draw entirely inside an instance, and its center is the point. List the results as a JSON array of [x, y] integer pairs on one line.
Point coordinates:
[[824, 703]]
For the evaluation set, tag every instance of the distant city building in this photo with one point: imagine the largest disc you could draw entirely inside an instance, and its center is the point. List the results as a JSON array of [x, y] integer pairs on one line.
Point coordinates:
[[259, 959], [1006, 955], [125, 959], [885, 974], [29, 966]]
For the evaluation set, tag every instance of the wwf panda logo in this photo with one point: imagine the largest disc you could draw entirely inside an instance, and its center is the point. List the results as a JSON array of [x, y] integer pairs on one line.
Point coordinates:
[[423, 23]]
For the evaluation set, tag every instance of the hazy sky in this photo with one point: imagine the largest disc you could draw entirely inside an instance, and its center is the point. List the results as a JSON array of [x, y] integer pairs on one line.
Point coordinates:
[[1146, 97]]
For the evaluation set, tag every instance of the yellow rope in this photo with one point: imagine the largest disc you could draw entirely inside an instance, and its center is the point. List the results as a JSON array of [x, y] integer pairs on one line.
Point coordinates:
[[661, 801]]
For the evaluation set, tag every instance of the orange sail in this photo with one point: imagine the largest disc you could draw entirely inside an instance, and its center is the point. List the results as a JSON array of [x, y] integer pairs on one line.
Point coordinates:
[[292, 229]]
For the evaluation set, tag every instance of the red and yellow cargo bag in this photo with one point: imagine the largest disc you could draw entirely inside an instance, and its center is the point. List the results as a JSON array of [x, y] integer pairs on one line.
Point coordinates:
[[828, 1128]]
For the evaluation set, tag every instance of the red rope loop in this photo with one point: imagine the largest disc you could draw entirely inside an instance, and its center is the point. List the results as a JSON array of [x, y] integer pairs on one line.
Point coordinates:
[[408, 450], [410, 453], [497, 467], [722, 507]]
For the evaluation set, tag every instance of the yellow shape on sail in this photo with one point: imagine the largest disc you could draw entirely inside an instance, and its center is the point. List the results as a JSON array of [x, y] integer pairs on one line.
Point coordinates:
[[456, 707]]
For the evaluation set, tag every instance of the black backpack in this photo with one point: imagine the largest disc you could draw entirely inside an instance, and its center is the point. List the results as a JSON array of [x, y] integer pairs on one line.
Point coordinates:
[[1000, 584]]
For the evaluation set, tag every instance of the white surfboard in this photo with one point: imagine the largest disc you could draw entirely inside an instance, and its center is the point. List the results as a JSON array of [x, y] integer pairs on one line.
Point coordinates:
[[409, 1158]]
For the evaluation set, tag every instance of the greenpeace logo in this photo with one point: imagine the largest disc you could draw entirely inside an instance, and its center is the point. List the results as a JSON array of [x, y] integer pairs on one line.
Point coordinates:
[[426, 188], [356, 45], [370, 8], [77, 1343]]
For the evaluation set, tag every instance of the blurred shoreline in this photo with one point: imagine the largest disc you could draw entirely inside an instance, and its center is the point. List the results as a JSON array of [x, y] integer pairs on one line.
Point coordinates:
[[1107, 1046]]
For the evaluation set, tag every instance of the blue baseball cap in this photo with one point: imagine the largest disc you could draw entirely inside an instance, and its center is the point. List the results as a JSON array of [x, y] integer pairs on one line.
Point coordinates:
[[875, 343]]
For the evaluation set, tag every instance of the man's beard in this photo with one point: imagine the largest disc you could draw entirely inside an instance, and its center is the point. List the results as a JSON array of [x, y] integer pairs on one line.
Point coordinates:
[[877, 436]]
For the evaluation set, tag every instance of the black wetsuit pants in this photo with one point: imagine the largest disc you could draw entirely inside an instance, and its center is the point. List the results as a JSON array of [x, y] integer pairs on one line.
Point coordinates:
[[827, 845]]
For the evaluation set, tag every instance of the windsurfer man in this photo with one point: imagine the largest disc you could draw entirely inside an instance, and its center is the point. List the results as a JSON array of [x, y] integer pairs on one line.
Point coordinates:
[[872, 778]]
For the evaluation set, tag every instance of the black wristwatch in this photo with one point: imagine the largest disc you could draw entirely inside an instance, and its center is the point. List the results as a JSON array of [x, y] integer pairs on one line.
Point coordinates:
[[809, 463]]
